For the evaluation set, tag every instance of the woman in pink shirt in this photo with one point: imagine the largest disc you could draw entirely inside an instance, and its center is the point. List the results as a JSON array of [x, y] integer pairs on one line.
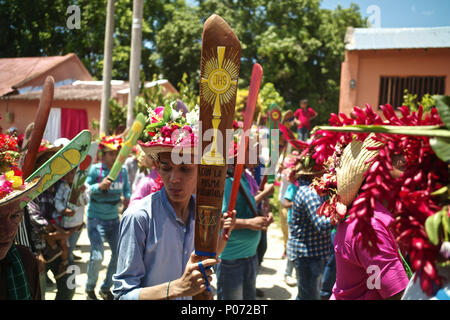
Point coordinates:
[[149, 183], [360, 274]]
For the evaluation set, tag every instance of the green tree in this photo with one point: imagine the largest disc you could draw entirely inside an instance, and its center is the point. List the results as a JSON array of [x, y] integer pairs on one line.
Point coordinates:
[[178, 47], [117, 116], [31, 28], [299, 45], [410, 100], [302, 50]]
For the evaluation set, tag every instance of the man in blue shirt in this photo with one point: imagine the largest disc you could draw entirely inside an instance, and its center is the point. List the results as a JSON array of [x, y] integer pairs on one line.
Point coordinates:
[[309, 244], [156, 244], [103, 216]]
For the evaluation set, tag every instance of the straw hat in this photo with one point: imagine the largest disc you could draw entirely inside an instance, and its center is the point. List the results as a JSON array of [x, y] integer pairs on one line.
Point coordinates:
[[353, 166], [301, 171], [110, 143], [12, 186]]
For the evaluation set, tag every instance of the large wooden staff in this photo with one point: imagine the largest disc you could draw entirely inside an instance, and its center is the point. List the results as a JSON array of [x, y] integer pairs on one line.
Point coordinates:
[[40, 123], [255, 84], [219, 73]]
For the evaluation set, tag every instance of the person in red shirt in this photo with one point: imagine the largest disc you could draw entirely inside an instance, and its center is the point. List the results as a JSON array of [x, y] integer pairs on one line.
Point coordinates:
[[304, 115]]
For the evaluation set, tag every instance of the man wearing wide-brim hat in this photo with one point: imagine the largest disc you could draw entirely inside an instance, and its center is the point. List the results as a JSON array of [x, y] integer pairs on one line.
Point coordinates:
[[309, 244], [156, 243], [103, 214], [19, 273]]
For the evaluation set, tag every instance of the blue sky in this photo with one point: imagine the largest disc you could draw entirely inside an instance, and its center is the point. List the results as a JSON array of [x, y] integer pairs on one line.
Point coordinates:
[[400, 13]]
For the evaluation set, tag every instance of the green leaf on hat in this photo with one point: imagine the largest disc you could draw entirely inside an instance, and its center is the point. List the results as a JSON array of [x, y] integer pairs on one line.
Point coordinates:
[[442, 191], [167, 113], [433, 226], [437, 222], [443, 107], [446, 223], [441, 146], [155, 125]]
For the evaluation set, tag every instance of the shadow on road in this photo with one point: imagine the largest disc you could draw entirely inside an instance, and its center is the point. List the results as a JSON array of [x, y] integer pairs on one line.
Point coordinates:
[[275, 293], [265, 270]]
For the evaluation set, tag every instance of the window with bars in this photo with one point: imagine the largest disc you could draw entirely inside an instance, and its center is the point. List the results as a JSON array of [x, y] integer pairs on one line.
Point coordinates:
[[392, 88]]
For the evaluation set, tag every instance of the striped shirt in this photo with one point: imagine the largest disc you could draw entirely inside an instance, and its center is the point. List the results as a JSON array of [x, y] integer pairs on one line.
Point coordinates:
[[309, 233]]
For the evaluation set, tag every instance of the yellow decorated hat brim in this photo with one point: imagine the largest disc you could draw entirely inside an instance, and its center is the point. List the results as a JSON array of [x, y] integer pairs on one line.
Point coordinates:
[[21, 193]]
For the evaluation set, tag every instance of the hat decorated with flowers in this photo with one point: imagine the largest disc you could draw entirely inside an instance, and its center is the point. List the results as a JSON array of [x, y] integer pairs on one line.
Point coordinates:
[[110, 143], [289, 163], [354, 163], [12, 185], [169, 130], [304, 164], [366, 174], [252, 151]]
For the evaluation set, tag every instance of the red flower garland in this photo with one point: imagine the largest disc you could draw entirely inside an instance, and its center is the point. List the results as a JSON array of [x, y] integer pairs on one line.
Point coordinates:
[[408, 197]]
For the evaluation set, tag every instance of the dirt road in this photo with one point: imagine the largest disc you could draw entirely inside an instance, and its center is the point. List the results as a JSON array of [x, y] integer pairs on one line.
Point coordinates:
[[270, 278]]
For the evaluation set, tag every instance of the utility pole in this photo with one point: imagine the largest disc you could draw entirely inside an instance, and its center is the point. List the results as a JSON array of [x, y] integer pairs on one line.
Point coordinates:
[[135, 61], [107, 66]]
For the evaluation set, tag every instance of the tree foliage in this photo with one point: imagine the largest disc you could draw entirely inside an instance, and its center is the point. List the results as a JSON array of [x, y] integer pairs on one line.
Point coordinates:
[[299, 45], [410, 100]]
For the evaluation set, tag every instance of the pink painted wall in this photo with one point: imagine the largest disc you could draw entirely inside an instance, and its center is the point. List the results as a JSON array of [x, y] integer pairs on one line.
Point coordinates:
[[366, 67], [25, 111]]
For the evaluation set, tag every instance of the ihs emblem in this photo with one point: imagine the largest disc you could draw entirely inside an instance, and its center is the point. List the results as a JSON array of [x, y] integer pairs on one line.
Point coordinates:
[[218, 87]]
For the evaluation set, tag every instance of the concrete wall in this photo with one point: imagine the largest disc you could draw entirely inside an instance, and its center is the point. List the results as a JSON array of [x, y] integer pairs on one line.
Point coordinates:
[[366, 67], [25, 111]]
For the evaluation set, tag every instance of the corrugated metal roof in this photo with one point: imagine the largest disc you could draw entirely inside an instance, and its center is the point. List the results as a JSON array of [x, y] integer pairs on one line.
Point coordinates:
[[397, 38]]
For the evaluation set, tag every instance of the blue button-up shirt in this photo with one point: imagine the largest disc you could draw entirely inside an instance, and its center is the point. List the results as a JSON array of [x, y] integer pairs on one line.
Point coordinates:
[[154, 245], [309, 234]]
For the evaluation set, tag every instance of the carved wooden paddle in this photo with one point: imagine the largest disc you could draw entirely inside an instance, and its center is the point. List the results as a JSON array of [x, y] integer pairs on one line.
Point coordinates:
[[255, 84], [219, 73]]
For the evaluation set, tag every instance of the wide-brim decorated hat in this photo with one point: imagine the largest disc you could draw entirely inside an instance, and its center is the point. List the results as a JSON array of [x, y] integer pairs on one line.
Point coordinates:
[[253, 142], [300, 171], [12, 186], [354, 163], [46, 147], [18, 194], [170, 131]]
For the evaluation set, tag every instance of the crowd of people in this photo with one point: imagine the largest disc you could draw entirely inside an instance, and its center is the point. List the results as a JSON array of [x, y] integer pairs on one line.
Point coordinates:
[[333, 248]]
